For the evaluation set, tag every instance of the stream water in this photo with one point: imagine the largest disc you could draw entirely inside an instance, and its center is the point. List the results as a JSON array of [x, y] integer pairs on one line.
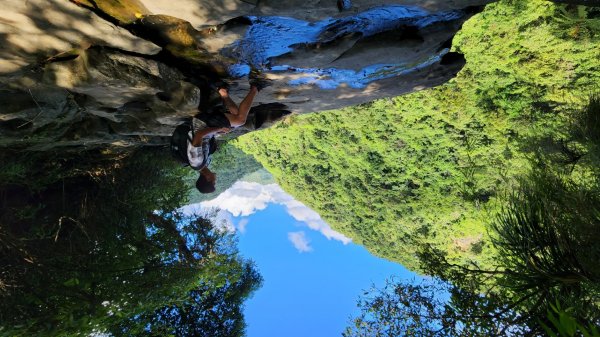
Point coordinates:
[[270, 37]]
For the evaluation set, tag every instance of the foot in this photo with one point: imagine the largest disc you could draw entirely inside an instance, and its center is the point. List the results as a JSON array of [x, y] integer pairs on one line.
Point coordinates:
[[258, 80]]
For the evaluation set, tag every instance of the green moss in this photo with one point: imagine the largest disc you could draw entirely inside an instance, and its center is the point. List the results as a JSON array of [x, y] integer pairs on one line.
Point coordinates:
[[121, 12]]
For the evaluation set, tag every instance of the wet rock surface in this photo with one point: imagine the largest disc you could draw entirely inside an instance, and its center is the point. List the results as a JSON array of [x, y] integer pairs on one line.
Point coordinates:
[[71, 79]]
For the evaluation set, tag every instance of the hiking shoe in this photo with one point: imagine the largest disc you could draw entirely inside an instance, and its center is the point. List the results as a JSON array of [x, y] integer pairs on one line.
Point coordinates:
[[221, 84], [258, 80], [260, 83]]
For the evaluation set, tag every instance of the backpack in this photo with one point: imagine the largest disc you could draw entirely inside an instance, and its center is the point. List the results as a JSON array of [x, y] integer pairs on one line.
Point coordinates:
[[179, 142]]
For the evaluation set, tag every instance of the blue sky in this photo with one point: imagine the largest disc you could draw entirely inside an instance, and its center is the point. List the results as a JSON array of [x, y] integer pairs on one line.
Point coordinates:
[[312, 274]]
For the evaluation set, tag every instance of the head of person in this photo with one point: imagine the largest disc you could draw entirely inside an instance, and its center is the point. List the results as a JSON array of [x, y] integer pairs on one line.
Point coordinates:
[[206, 181]]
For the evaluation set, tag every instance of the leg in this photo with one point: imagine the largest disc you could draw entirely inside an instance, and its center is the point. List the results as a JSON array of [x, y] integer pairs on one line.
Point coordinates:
[[239, 118], [204, 105], [229, 103]]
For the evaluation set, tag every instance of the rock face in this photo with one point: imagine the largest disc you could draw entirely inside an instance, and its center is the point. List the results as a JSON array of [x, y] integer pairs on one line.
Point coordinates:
[[73, 76]]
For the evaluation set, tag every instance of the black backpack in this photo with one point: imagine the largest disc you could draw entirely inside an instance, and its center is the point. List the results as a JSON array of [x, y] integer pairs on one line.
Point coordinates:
[[179, 142]]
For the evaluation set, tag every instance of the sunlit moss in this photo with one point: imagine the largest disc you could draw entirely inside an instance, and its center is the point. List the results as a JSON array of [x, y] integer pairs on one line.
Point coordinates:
[[122, 11]]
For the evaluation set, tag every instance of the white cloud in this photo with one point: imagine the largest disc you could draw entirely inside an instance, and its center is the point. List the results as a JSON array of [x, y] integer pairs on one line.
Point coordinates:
[[242, 225], [300, 241], [246, 198], [313, 220]]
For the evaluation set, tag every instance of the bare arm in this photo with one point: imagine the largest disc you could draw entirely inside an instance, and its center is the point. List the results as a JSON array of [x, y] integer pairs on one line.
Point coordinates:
[[206, 132]]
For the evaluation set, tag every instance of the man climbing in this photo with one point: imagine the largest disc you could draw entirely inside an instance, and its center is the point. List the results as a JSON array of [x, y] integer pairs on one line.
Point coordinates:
[[183, 48], [219, 120]]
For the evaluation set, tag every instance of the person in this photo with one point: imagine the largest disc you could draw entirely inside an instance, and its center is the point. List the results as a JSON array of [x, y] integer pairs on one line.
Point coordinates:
[[208, 124]]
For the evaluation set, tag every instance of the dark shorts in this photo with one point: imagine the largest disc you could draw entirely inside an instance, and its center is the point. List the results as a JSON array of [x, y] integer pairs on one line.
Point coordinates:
[[215, 119]]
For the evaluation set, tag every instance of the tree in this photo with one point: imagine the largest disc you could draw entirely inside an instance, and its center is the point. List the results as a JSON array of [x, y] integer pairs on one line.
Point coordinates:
[[112, 248], [210, 309], [433, 308], [213, 304], [546, 244]]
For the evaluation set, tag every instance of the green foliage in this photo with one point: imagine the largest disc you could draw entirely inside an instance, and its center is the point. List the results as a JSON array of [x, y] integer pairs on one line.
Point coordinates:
[[433, 308], [37, 170], [432, 166], [379, 196], [104, 249], [563, 324], [546, 233], [546, 257], [261, 176], [585, 139], [213, 308], [547, 253]]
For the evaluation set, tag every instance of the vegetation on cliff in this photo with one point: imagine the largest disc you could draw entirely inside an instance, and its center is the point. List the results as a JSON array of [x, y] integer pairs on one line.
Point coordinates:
[[545, 278]]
